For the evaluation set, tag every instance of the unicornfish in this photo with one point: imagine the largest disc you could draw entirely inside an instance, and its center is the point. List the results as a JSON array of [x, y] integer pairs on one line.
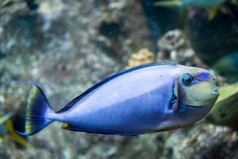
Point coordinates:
[[144, 99]]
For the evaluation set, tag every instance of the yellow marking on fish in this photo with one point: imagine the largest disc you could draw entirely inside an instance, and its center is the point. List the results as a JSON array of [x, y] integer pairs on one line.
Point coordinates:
[[167, 3], [65, 126]]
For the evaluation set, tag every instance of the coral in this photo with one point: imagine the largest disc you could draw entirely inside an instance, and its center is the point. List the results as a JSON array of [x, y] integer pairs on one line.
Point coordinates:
[[142, 57]]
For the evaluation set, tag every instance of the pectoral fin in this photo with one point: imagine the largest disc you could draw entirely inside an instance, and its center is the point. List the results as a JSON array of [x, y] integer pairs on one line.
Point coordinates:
[[179, 105]]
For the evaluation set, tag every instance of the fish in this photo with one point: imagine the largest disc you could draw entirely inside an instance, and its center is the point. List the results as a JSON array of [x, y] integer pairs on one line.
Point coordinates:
[[15, 136], [7, 128], [212, 5], [145, 99], [3, 119], [184, 3]]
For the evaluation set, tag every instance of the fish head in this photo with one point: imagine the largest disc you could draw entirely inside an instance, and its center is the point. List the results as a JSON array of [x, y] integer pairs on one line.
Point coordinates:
[[197, 87], [194, 93]]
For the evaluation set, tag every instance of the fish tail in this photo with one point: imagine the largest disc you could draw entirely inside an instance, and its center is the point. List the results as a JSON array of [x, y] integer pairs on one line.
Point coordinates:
[[38, 111], [168, 3]]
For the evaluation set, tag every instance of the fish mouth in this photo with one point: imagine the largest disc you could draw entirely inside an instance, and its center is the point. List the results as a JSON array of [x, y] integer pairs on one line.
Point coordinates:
[[216, 91]]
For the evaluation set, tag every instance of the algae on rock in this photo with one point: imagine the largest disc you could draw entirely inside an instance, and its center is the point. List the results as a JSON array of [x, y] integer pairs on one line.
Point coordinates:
[[225, 110]]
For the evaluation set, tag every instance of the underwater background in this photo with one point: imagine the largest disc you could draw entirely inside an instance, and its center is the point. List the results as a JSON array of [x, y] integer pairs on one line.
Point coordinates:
[[67, 46]]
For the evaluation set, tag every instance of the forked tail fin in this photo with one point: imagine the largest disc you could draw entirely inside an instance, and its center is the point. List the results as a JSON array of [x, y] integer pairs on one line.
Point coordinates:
[[37, 110]]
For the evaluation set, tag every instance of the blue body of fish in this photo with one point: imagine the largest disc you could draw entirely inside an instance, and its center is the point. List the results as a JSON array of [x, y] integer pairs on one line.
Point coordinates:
[[141, 100]]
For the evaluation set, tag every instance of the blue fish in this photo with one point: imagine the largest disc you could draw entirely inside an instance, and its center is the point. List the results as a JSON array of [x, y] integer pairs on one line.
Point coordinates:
[[184, 3], [144, 99], [213, 5]]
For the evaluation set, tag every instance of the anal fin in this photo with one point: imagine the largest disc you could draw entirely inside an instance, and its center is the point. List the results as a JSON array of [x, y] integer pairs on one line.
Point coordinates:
[[179, 105]]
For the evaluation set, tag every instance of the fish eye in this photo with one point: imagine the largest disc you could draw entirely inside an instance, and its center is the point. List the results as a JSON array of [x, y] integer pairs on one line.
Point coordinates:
[[187, 78]]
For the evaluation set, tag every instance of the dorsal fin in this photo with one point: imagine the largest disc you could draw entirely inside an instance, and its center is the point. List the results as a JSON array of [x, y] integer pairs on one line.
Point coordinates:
[[78, 98]]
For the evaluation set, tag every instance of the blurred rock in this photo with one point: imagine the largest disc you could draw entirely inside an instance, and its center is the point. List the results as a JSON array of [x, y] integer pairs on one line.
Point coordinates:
[[225, 110], [203, 141], [227, 67], [175, 47], [213, 39]]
